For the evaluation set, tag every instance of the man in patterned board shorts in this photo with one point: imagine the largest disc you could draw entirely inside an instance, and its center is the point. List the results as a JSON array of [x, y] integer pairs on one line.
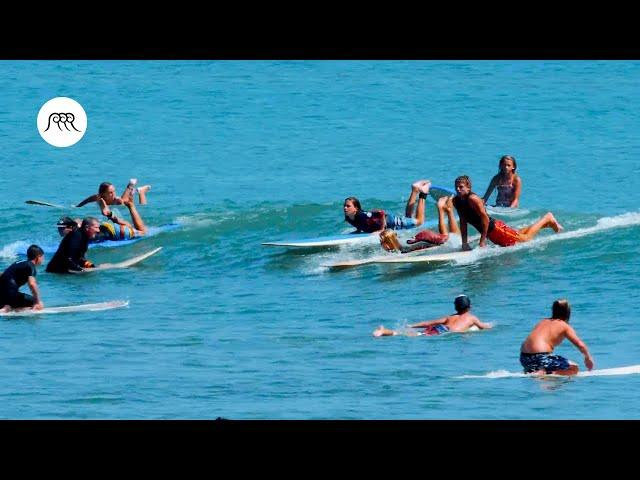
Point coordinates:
[[536, 352]]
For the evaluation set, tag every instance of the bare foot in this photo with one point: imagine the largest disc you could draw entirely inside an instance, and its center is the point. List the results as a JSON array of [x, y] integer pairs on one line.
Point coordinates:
[[144, 189], [378, 332], [554, 223], [5, 309]]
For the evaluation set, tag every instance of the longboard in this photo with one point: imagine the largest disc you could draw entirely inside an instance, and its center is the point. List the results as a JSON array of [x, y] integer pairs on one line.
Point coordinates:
[[335, 240], [124, 264], [631, 369], [87, 307], [410, 257]]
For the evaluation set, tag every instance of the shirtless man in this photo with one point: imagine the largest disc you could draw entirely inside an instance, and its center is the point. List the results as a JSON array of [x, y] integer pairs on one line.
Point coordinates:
[[536, 351], [461, 321]]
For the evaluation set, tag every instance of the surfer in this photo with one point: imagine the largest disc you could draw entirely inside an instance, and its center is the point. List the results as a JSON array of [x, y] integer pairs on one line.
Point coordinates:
[[508, 183], [375, 221], [109, 231], [461, 321], [15, 276], [536, 351], [471, 209], [73, 248], [107, 196], [426, 238]]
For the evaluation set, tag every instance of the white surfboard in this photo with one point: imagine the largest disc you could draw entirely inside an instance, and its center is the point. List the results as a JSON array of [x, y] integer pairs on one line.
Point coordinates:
[[87, 307], [410, 257], [506, 212], [124, 264], [629, 370], [328, 241]]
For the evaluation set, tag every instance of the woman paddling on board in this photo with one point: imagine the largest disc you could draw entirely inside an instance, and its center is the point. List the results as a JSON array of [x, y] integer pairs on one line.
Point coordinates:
[[106, 196], [118, 230], [376, 221], [508, 183]]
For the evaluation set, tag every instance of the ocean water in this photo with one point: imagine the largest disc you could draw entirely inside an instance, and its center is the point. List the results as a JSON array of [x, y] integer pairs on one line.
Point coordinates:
[[242, 152]]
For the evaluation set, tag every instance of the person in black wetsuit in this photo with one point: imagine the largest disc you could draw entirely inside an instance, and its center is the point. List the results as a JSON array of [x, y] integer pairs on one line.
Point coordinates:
[[73, 248], [16, 276]]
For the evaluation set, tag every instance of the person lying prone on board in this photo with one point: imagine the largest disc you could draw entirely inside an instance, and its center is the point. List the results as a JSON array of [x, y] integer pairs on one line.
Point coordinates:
[[15, 276], [425, 238], [536, 352], [376, 221], [461, 321], [107, 196], [118, 230]]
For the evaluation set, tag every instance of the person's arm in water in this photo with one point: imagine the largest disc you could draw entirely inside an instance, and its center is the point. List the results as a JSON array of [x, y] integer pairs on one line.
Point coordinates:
[[571, 334], [92, 198], [481, 325], [517, 188], [490, 188], [429, 323], [33, 286]]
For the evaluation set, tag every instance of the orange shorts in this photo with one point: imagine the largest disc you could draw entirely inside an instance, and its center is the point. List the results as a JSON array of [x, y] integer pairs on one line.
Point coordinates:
[[502, 234]]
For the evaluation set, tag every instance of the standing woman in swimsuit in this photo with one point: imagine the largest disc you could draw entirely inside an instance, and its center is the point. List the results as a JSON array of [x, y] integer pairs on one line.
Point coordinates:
[[508, 183]]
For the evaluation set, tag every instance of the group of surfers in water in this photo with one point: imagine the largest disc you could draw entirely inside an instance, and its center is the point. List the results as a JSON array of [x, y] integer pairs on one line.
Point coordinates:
[[71, 253], [536, 354]]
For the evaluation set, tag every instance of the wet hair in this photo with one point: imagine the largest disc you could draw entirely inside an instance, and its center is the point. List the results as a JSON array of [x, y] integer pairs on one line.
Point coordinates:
[[463, 179], [64, 223], [561, 309], [88, 221], [462, 303], [509, 157], [104, 186], [34, 251], [355, 201]]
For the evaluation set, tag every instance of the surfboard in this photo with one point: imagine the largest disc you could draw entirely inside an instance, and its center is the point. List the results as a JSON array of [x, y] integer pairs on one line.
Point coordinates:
[[124, 264], [328, 241], [603, 372], [46, 204], [336, 240], [506, 211], [436, 192], [151, 231], [87, 307], [411, 257]]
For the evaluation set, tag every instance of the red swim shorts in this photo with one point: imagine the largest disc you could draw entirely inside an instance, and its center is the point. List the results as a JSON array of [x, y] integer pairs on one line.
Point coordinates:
[[503, 235]]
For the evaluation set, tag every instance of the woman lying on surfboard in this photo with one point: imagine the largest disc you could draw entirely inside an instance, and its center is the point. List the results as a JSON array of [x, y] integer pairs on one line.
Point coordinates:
[[107, 196], [508, 183], [426, 238], [376, 221], [461, 321], [118, 230]]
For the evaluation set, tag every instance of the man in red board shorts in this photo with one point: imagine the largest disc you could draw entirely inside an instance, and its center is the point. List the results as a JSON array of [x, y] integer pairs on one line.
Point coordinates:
[[470, 208]]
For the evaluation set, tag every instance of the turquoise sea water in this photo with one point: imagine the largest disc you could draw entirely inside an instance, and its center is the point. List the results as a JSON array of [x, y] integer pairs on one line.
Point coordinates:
[[243, 152]]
